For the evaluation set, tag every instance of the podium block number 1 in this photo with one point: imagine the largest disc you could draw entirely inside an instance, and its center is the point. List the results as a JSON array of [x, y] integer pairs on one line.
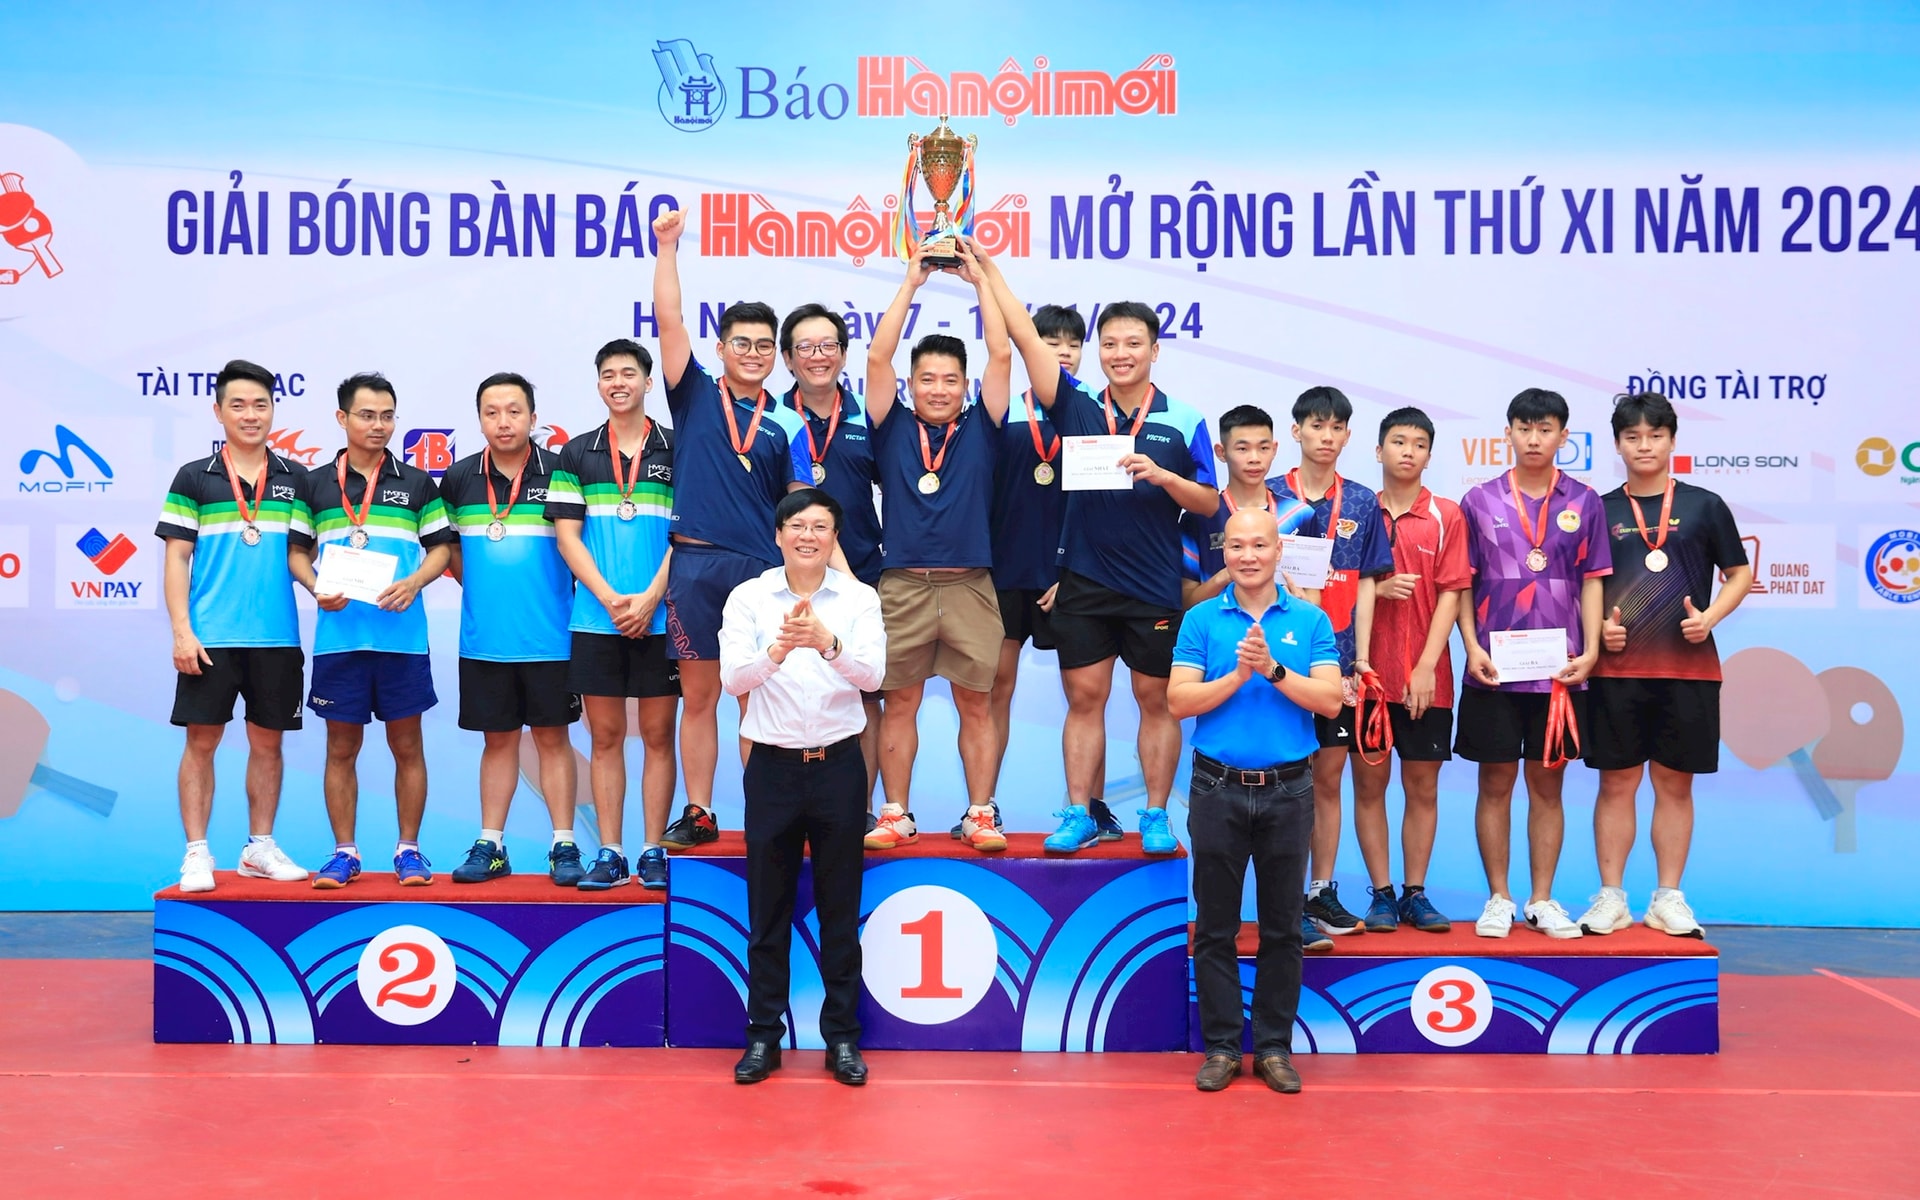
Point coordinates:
[[930, 954]]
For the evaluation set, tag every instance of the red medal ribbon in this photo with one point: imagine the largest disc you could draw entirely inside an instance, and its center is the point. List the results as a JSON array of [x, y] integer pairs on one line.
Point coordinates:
[[1273, 503], [513, 489], [620, 480], [1561, 729], [817, 453], [733, 426], [1333, 517], [927, 458], [1046, 453], [259, 487], [1139, 414], [356, 519], [1375, 734], [1536, 539], [1640, 518]]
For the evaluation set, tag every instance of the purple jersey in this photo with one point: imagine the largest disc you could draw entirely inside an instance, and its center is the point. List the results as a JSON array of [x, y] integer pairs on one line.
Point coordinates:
[[1506, 594]]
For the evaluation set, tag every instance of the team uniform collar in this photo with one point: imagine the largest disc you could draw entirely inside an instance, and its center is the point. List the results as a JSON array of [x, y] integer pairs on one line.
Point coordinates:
[[389, 465], [1229, 598], [482, 462], [275, 465], [600, 436], [849, 403]]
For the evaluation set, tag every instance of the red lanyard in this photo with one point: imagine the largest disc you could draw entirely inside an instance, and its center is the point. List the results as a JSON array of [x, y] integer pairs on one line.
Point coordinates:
[[1333, 517], [1561, 729], [1046, 453], [513, 489], [1640, 518], [356, 519], [1139, 414], [817, 452], [1375, 734], [740, 449], [1535, 537], [259, 488], [927, 458], [1273, 503], [620, 480]]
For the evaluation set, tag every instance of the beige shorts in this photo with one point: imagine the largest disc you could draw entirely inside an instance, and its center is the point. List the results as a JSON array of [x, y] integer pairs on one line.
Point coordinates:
[[944, 623]]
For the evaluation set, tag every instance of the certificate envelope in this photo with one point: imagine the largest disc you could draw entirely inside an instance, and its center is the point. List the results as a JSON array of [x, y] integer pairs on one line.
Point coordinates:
[[1092, 464], [1523, 655], [355, 574], [1305, 562]]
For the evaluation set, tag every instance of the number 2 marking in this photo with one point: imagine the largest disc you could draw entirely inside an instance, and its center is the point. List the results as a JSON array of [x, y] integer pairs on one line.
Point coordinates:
[[932, 932], [422, 967], [1457, 1004]]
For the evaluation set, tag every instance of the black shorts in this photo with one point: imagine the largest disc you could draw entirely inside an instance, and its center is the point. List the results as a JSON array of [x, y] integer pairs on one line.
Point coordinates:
[[1673, 722], [271, 678], [1335, 733], [607, 664], [502, 697], [1430, 739], [1023, 619], [1504, 727], [1092, 622]]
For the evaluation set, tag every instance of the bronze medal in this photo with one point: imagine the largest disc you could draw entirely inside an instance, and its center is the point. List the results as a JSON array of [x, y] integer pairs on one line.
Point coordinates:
[[1656, 560], [1536, 559]]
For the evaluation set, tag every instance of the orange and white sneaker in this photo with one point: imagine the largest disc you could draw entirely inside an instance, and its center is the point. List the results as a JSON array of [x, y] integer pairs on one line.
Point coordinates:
[[977, 830], [894, 827]]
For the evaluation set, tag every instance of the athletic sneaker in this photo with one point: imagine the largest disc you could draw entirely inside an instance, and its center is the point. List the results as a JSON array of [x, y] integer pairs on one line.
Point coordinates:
[[1669, 913], [196, 871], [564, 866], [1326, 911], [895, 827], [484, 861], [1077, 831], [609, 870], [1383, 915], [1546, 916], [1419, 912], [1156, 836], [1312, 940], [651, 869], [873, 821], [959, 834], [1107, 823], [1607, 912], [411, 868], [981, 830], [696, 827], [339, 871], [265, 860], [1496, 919]]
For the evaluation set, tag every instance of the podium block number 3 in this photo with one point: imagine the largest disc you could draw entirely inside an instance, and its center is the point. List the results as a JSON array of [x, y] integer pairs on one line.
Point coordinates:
[[406, 975], [929, 954], [1451, 1005]]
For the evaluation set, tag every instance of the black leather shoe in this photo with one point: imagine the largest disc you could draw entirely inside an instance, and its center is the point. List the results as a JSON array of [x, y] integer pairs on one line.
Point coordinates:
[[843, 1059], [761, 1060], [1217, 1072], [1276, 1071]]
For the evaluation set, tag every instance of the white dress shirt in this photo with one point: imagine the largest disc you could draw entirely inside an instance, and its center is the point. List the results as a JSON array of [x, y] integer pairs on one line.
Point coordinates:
[[804, 701]]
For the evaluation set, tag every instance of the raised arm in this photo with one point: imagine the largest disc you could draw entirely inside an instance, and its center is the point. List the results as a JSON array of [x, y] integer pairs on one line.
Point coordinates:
[[996, 381], [676, 347], [1043, 366], [882, 382]]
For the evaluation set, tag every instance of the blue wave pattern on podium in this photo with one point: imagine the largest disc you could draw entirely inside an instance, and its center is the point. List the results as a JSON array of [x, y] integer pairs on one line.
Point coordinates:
[[262, 997], [1319, 1027], [1019, 921], [698, 908], [1609, 1019], [1086, 964], [328, 955], [1532, 995], [550, 1001]]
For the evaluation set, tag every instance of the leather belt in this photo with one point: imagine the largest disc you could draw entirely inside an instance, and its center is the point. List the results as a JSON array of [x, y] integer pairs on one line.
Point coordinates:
[[1260, 778], [810, 754]]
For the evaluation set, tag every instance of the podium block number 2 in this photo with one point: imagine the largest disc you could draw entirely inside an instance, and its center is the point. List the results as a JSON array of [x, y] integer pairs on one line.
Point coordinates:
[[406, 975], [929, 954]]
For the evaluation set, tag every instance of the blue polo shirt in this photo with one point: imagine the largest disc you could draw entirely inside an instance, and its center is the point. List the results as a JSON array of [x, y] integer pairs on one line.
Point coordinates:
[[627, 553], [406, 519], [851, 476], [715, 499], [1256, 727], [1129, 541], [1027, 517], [514, 593], [950, 527], [239, 595]]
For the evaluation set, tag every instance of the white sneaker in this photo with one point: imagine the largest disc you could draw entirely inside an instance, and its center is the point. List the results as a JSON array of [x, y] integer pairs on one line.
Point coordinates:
[[1496, 919], [196, 871], [1546, 916], [1607, 912], [894, 827], [266, 860], [1669, 913]]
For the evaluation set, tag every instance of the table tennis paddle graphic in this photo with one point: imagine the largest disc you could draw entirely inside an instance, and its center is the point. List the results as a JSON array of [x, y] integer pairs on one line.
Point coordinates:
[[584, 821], [23, 738], [1772, 707], [1856, 753]]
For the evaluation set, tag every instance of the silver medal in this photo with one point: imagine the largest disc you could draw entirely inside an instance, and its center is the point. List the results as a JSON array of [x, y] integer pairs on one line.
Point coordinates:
[[250, 534], [627, 511], [358, 539], [496, 530]]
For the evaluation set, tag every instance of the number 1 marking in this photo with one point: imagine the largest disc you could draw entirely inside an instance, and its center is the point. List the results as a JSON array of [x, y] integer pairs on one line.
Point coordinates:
[[931, 930]]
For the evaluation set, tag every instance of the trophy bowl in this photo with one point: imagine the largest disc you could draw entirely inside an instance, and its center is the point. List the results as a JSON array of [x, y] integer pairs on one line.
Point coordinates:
[[944, 160]]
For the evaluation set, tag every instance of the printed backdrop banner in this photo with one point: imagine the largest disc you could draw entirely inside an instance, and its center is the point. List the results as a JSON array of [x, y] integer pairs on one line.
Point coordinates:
[[1429, 205]]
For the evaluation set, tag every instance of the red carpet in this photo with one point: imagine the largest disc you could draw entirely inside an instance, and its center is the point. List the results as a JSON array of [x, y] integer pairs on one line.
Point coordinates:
[[934, 843], [1461, 942], [380, 885]]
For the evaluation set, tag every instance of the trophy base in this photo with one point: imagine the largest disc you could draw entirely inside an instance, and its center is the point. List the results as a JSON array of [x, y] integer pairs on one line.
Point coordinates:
[[941, 252]]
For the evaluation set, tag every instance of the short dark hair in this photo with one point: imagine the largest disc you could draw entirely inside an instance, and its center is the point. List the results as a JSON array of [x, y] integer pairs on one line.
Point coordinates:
[[809, 312], [1326, 402], [373, 381], [1537, 404], [938, 343], [1244, 417], [1409, 418], [1653, 408], [1052, 320], [241, 369], [1130, 310], [504, 379], [800, 500], [623, 346], [749, 312]]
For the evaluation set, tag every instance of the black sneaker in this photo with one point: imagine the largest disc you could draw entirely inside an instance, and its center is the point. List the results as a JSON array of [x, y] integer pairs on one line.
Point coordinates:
[[957, 835], [651, 869], [696, 827], [609, 870], [1326, 911], [484, 861], [564, 866], [1105, 821]]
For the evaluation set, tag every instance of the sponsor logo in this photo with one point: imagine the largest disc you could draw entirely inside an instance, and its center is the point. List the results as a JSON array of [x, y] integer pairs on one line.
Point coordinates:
[[660, 472], [1892, 565], [1287, 639], [13, 566], [1568, 520], [746, 224], [1733, 464], [1347, 527], [692, 97], [393, 496], [285, 443], [1494, 454], [109, 555], [70, 457], [25, 228], [1877, 456], [1793, 565], [1162, 625], [281, 491], [98, 570], [1576, 454], [429, 449], [536, 495], [900, 85], [551, 437]]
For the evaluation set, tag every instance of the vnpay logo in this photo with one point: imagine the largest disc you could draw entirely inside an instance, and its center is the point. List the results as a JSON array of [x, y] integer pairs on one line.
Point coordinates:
[[108, 556], [1877, 456], [1893, 566], [691, 97], [429, 449], [63, 459]]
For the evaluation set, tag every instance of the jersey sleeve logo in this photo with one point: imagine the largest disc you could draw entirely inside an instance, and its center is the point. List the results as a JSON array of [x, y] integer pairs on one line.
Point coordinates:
[[1569, 520]]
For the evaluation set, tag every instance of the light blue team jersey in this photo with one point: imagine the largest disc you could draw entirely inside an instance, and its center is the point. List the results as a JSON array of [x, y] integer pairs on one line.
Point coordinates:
[[516, 593]]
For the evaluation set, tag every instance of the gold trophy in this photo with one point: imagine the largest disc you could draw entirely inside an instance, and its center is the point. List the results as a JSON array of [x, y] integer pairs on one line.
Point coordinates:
[[945, 161]]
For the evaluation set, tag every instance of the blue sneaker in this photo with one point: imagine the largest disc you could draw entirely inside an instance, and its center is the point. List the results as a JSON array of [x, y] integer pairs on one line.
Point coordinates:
[[563, 865], [1155, 835], [484, 861], [651, 869], [1419, 912], [339, 871], [1383, 915], [1105, 821], [411, 869], [1311, 939], [1077, 831], [609, 870]]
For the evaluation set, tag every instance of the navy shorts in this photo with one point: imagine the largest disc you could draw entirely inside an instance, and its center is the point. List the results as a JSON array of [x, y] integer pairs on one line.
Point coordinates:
[[699, 580], [360, 686]]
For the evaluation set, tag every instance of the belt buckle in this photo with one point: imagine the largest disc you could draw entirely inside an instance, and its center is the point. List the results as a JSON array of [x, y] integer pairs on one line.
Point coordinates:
[[813, 754], [1253, 779]]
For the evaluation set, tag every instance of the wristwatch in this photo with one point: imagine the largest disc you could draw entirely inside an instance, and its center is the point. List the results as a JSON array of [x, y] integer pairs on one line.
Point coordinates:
[[1278, 673], [833, 651]]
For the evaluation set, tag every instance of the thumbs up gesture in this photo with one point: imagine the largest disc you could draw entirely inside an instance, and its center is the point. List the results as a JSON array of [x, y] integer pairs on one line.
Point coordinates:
[[1695, 626], [1613, 632]]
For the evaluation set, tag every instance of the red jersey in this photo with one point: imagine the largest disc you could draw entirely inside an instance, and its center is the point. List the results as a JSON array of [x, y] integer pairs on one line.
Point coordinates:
[[1428, 540]]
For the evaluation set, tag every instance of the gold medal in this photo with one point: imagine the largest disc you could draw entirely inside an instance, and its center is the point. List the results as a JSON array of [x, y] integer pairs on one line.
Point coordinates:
[[929, 484], [1536, 559], [1656, 560], [745, 461], [819, 474], [1043, 474]]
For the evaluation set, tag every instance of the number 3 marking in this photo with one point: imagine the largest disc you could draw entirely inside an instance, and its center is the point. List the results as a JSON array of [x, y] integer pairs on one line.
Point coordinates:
[[1457, 1004]]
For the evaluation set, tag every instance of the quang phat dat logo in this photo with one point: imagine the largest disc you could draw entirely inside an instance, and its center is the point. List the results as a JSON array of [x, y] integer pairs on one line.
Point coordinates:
[[691, 96]]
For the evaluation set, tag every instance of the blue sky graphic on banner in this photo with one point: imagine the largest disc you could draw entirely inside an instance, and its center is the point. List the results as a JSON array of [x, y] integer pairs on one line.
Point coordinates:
[[1418, 203]]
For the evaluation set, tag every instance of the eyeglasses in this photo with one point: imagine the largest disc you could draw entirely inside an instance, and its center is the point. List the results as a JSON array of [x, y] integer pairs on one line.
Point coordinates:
[[740, 345], [368, 416], [816, 528], [811, 349]]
